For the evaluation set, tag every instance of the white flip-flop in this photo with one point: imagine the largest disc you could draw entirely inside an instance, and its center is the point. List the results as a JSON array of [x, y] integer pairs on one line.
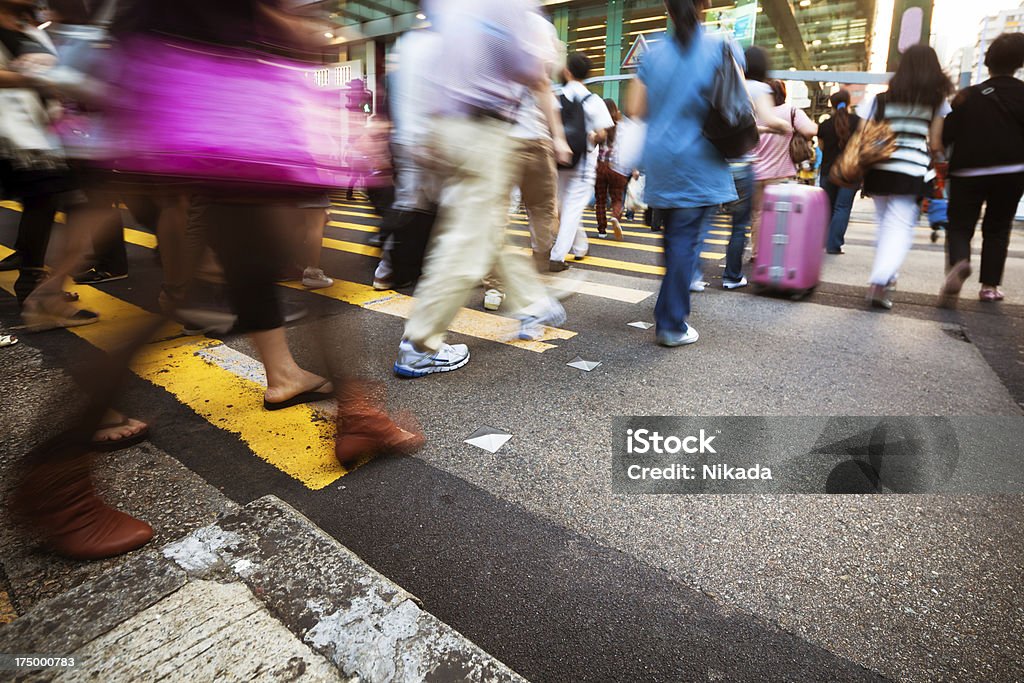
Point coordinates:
[[7, 340]]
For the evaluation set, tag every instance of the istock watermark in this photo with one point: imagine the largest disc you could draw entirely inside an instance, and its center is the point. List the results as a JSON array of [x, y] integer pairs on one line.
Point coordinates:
[[814, 455]]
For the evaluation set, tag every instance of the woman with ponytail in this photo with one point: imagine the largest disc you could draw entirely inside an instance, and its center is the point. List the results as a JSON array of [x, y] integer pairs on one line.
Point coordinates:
[[833, 136], [687, 178]]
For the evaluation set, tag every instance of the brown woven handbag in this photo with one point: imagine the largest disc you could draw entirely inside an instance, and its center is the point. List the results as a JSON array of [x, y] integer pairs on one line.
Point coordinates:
[[873, 143], [800, 148]]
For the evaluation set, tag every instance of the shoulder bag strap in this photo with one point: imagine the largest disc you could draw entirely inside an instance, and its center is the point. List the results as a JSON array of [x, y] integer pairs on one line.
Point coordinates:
[[991, 94]]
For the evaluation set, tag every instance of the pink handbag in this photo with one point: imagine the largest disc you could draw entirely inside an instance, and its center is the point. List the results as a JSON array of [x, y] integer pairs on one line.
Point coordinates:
[[195, 111]]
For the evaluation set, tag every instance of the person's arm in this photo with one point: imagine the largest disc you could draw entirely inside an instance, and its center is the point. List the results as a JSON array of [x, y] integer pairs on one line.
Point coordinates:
[[935, 132], [804, 125], [950, 127], [767, 121], [636, 100], [546, 101], [935, 138], [599, 119], [12, 79]]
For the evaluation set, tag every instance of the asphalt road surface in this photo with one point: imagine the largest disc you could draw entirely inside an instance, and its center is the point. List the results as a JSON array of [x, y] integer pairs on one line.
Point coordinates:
[[530, 552]]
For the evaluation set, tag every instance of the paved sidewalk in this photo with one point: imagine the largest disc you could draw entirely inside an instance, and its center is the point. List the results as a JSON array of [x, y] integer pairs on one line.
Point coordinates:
[[262, 595], [223, 592]]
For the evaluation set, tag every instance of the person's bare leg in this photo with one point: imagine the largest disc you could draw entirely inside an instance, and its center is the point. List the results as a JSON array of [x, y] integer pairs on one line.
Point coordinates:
[[314, 222], [285, 379], [85, 225], [174, 252]]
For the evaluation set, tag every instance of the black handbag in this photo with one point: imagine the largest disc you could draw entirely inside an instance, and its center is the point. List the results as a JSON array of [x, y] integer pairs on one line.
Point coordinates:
[[730, 125]]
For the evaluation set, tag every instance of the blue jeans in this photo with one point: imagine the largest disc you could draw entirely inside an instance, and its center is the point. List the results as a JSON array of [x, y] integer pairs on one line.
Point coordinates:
[[682, 237], [741, 211], [705, 233], [841, 201]]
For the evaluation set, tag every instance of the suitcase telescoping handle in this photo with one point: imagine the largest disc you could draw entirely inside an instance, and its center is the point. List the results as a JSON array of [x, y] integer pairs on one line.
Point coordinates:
[[783, 207]]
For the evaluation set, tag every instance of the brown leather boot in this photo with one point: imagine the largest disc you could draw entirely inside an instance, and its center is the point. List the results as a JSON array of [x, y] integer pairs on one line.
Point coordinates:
[[58, 501], [365, 430]]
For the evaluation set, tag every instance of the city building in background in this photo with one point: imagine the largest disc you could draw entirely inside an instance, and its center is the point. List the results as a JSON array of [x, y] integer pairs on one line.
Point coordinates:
[[1007, 21], [804, 35]]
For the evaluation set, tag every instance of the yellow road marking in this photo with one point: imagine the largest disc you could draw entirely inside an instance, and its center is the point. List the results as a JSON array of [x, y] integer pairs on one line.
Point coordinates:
[[471, 323], [353, 213], [593, 231], [358, 227], [297, 441], [140, 238], [351, 247], [486, 326]]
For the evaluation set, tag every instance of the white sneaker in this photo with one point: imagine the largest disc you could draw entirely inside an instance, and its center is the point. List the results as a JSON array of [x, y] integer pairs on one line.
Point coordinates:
[[381, 285], [734, 284], [314, 278], [493, 299], [533, 319], [414, 363], [602, 235], [698, 286], [672, 341]]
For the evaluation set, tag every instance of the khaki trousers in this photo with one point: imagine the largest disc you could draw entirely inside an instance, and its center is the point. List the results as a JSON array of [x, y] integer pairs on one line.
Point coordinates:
[[475, 159], [536, 174]]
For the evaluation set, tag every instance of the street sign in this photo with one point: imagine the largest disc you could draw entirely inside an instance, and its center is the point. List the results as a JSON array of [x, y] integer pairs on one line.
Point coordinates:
[[639, 49]]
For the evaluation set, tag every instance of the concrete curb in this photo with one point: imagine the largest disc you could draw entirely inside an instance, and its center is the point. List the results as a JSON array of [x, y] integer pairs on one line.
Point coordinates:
[[367, 626]]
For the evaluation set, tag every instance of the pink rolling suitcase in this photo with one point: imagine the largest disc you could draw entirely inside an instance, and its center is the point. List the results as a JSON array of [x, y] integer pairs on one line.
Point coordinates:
[[791, 242]]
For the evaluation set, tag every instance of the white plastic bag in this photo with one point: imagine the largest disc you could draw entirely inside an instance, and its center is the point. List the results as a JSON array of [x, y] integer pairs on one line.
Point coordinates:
[[635, 195]]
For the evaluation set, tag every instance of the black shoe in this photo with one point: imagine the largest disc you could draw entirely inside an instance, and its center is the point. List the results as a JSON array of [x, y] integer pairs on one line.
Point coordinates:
[[206, 310], [12, 262], [95, 277], [290, 274], [835, 252], [557, 266], [293, 312]]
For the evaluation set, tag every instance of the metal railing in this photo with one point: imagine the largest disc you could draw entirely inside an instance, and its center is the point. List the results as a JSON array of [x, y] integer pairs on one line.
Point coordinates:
[[844, 77]]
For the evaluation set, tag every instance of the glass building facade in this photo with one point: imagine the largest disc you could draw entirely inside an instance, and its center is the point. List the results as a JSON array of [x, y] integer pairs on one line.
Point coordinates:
[[802, 35]]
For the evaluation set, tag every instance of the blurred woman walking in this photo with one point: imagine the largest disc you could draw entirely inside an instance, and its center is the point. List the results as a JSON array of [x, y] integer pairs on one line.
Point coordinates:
[[773, 160], [611, 180], [687, 177], [833, 136], [914, 106]]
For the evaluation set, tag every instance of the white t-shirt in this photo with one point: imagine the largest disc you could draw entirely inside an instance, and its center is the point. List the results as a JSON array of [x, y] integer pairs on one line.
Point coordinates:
[[530, 121], [412, 96], [596, 113]]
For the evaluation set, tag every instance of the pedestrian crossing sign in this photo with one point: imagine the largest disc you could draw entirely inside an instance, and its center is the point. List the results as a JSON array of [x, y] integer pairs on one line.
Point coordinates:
[[640, 47]]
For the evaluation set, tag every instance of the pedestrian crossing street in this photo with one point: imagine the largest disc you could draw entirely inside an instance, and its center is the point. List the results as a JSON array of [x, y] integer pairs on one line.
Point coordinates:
[[225, 387], [638, 254]]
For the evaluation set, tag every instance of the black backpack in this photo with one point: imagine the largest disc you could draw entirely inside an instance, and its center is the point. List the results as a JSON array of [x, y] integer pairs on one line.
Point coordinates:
[[574, 120]]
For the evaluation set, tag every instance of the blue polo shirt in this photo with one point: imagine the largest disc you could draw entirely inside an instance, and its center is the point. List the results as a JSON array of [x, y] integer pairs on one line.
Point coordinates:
[[683, 169]]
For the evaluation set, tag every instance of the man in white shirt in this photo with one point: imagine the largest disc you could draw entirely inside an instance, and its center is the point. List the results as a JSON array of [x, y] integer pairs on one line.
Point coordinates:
[[539, 141], [485, 61], [576, 185], [417, 189]]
